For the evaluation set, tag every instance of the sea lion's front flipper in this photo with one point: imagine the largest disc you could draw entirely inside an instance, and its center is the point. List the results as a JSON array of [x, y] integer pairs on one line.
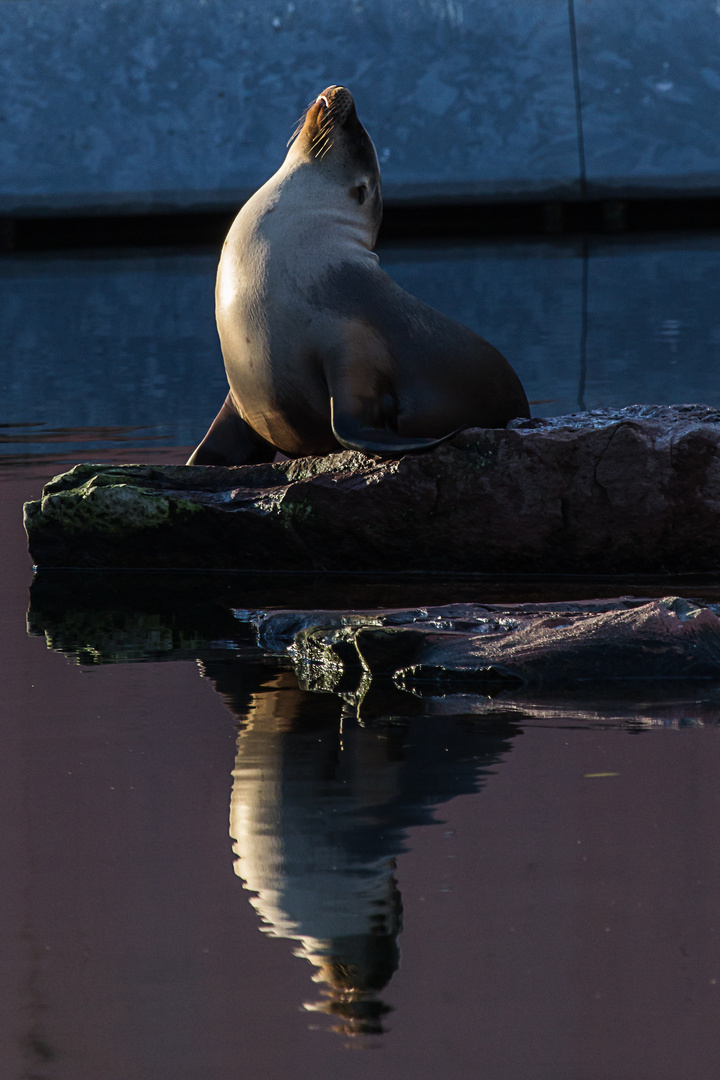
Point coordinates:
[[231, 441]]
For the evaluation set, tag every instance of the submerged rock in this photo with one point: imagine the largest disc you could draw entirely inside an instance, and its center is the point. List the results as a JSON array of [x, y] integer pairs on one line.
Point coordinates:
[[634, 490], [499, 649], [661, 640]]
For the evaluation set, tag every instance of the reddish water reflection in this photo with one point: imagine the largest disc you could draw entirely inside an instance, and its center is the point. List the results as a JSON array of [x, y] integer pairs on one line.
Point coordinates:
[[560, 918]]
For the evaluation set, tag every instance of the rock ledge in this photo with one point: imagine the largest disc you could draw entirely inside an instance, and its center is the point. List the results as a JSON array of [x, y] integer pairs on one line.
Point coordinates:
[[634, 490]]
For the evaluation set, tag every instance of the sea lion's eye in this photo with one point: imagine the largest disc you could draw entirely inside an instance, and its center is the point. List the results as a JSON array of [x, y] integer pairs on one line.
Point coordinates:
[[361, 192]]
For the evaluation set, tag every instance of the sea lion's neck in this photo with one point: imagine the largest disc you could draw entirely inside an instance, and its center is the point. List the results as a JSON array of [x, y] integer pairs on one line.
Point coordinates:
[[291, 230], [308, 207]]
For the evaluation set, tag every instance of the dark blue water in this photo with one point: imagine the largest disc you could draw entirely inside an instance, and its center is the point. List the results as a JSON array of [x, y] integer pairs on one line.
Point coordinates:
[[128, 342], [209, 871]]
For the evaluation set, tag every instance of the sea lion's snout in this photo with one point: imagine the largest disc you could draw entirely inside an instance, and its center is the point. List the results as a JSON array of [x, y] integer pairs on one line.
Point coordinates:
[[331, 115], [336, 100]]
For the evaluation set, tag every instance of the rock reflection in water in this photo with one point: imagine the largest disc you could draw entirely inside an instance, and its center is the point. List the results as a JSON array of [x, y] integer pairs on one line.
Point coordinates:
[[320, 805]]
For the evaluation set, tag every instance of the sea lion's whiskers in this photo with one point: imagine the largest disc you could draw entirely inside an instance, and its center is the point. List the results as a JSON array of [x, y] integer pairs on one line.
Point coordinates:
[[324, 133], [322, 150], [317, 145], [329, 119], [324, 130], [298, 128], [327, 123]]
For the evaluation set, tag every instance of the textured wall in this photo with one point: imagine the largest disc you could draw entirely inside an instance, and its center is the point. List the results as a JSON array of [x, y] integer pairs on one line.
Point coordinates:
[[649, 76], [174, 103]]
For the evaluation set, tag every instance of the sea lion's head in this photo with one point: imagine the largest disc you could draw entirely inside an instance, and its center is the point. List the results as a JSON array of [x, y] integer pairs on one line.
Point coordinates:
[[331, 140]]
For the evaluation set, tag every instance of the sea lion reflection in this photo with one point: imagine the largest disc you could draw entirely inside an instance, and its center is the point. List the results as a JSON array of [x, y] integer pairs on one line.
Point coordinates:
[[319, 811]]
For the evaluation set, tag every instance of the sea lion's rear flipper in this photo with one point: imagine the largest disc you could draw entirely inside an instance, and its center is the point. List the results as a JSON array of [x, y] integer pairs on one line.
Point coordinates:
[[350, 431], [363, 402], [231, 441]]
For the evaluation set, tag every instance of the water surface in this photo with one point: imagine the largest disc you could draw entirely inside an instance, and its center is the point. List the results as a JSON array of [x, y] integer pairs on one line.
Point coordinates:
[[209, 871], [127, 341]]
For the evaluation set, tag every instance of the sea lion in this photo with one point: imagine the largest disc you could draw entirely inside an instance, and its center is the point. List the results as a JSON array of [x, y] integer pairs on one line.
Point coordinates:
[[322, 349]]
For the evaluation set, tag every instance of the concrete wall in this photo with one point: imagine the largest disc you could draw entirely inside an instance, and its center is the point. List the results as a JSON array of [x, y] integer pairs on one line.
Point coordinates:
[[166, 104]]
